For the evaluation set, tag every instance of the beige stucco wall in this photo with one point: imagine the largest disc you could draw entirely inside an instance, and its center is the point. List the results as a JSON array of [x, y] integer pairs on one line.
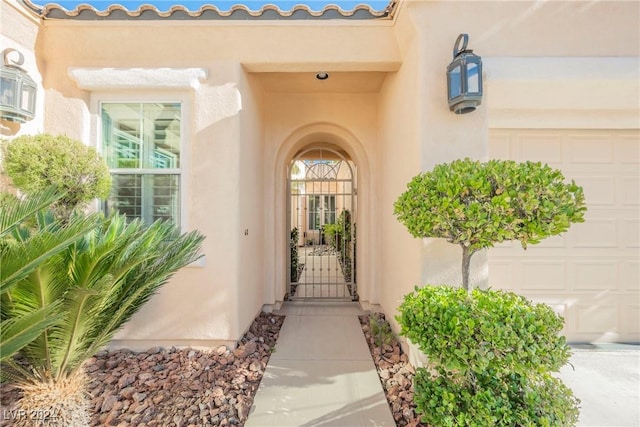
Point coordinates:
[[546, 64], [385, 105], [236, 127]]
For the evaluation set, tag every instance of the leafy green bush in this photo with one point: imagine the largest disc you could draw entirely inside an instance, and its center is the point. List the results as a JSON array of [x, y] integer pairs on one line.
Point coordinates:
[[491, 354], [477, 205], [491, 351], [491, 398], [293, 249], [333, 235], [380, 330], [346, 245], [35, 163], [483, 330]]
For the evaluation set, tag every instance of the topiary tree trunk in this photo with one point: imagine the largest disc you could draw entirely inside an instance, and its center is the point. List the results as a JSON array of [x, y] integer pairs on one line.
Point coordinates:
[[466, 264]]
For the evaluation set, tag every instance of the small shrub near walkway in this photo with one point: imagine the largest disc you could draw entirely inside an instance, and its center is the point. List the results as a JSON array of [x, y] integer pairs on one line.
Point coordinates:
[[395, 372], [491, 356]]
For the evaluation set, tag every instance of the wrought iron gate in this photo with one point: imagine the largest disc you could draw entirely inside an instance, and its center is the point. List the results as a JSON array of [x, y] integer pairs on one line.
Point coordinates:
[[322, 239]]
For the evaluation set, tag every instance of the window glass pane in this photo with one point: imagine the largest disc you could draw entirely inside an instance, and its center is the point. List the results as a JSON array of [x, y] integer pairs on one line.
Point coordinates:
[[314, 212], [126, 195], [329, 209], [472, 78], [141, 135], [164, 192], [150, 197], [165, 147]]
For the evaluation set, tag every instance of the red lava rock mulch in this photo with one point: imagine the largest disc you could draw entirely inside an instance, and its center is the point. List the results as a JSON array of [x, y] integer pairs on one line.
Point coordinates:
[[395, 372], [176, 387]]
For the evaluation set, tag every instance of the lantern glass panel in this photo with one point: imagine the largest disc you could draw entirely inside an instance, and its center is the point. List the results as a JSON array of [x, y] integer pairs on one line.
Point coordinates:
[[455, 82], [27, 100], [8, 92], [473, 82]]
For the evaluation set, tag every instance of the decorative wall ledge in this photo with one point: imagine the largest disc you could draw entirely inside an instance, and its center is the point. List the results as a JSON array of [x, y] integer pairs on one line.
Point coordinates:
[[137, 78]]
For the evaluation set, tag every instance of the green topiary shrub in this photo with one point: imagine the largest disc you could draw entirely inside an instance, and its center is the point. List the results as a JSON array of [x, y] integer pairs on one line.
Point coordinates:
[[493, 399], [35, 163], [491, 354], [484, 330], [477, 205]]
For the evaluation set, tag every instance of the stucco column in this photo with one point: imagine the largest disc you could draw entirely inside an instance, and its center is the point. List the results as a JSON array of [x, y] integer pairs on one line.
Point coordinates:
[[444, 137]]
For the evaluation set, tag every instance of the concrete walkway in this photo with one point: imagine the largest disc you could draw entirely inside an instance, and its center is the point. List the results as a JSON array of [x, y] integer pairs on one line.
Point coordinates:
[[606, 379], [321, 373]]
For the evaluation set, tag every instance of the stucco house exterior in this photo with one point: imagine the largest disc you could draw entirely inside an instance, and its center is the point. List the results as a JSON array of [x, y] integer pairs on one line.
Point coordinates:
[[201, 115]]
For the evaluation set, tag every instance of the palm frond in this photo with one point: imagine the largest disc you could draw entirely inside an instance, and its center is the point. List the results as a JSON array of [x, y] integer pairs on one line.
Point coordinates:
[[21, 257], [21, 330], [107, 275], [163, 252], [14, 211]]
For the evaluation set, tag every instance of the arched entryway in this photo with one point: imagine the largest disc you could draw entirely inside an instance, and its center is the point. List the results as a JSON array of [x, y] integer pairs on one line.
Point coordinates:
[[321, 206]]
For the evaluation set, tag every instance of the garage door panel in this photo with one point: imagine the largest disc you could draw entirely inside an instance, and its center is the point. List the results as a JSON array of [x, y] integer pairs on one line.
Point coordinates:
[[630, 318], [631, 233], [543, 275], [627, 150], [595, 233], [630, 191], [629, 275], [595, 275], [540, 149], [597, 319], [590, 150], [591, 274], [598, 190]]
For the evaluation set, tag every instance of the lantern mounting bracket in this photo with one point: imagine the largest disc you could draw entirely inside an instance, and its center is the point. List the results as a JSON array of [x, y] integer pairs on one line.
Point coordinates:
[[9, 62], [457, 50]]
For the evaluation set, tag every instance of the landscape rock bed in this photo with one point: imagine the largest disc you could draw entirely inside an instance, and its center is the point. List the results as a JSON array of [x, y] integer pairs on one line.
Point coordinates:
[[177, 387], [186, 387], [395, 372]]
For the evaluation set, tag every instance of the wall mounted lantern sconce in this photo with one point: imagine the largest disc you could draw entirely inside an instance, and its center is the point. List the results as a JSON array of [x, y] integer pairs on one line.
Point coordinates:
[[464, 78], [17, 89]]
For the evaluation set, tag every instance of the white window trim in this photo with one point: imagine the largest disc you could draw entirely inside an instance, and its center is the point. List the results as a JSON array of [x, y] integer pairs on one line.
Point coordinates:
[[97, 98]]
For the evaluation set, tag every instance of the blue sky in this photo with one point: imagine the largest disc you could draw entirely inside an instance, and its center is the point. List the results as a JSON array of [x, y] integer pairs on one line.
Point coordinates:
[[223, 5]]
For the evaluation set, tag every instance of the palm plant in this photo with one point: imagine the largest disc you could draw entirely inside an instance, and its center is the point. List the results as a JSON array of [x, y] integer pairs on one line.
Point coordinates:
[[95, 285], [20, 255]]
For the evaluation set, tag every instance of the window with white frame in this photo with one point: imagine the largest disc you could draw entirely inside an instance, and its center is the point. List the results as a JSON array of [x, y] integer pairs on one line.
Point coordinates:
[[141, 144], [322, 210]]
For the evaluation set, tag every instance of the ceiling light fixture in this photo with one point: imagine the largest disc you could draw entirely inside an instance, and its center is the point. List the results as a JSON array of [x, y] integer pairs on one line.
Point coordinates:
[[322, 75]]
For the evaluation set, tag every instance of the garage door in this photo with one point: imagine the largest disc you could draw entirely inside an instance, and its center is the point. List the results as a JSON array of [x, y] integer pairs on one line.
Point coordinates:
[[590, 274]]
